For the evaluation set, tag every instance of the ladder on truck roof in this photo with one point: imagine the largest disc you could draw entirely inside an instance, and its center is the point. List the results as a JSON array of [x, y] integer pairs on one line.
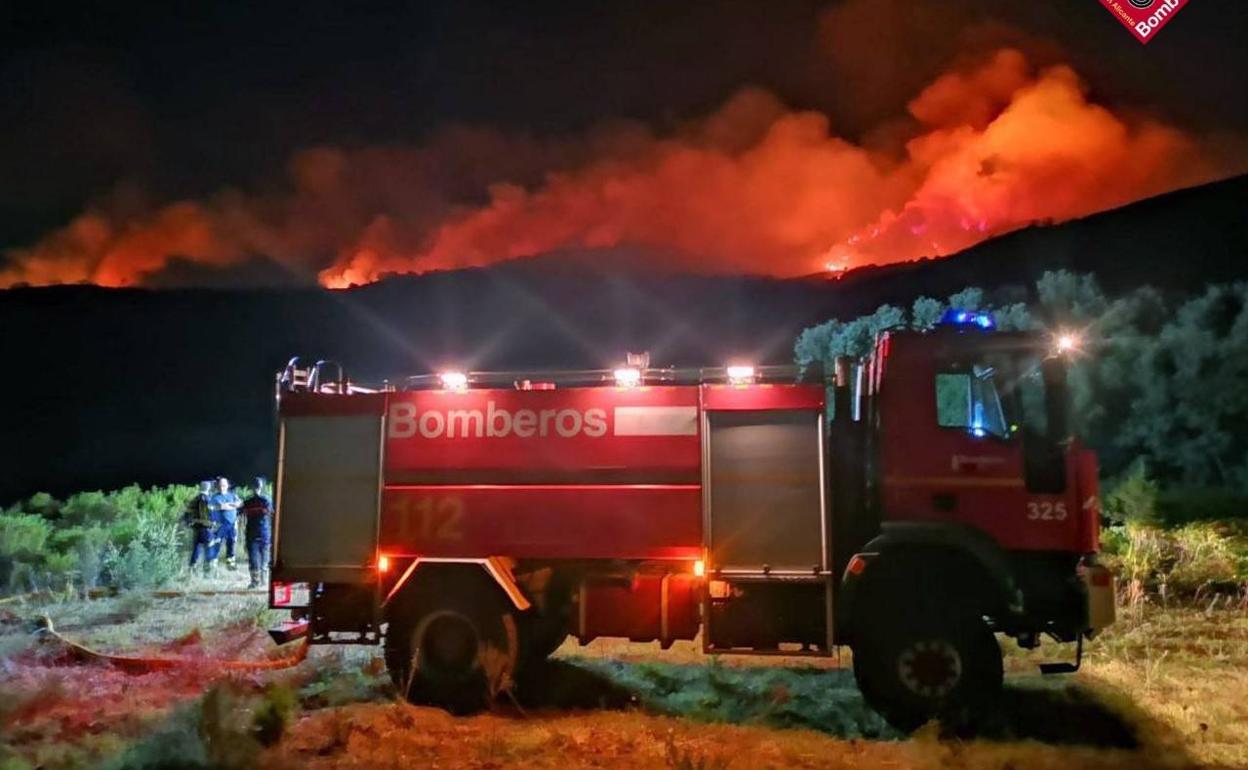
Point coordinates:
[[322, 377]]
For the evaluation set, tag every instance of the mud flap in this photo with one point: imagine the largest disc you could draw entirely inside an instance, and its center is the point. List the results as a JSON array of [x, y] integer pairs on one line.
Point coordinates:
[[1099, 582]]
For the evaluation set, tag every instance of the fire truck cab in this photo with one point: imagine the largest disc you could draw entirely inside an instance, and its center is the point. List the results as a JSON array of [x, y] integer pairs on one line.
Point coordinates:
[[912, 505]]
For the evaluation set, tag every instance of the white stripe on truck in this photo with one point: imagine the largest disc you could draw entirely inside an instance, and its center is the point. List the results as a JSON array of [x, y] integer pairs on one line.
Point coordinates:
[[656, 421]]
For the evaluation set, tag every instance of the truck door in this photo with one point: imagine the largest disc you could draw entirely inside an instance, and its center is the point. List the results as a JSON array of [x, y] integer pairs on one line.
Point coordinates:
[[955, 430], [328, 488], [765, 521]]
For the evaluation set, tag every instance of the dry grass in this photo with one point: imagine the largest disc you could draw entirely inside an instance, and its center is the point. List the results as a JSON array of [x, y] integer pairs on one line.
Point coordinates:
[[1176, 680], [389, 735]]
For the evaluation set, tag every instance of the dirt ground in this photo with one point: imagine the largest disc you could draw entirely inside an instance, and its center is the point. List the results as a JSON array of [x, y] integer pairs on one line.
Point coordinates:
[[1165, 688]]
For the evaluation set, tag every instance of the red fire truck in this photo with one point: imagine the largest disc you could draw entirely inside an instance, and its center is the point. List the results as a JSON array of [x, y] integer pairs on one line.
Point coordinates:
[[912, 505]]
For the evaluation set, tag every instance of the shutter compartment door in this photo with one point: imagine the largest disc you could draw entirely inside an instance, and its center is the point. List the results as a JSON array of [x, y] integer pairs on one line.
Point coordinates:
[[766, 501], [328, 498]]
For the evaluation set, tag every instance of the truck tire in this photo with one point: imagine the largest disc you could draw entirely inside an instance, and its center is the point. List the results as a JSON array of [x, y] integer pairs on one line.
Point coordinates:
[[915, 669], [452, 644]]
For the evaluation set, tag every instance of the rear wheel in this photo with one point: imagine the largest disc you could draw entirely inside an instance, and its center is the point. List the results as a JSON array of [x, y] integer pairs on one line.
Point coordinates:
[[453, 644], [915, 669]]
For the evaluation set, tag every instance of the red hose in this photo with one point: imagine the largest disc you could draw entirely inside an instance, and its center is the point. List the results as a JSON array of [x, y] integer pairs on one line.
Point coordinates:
[[130, 664], [77, 653]]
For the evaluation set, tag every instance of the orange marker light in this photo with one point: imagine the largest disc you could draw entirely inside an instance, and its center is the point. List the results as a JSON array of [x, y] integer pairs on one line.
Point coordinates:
[[383, 563], [699, 568]]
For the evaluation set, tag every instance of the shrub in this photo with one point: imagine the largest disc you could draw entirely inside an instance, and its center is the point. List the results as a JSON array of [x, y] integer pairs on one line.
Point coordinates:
[[1181, 564], [131, 537], [23, 537], [1205, 559], [273, 714], [1133, 499], [216, 733]]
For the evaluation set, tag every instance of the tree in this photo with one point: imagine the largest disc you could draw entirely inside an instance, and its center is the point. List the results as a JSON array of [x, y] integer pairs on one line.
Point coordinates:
[[1151, 383]]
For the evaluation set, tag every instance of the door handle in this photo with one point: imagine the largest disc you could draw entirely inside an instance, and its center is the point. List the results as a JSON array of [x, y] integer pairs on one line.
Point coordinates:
[[974, 464]]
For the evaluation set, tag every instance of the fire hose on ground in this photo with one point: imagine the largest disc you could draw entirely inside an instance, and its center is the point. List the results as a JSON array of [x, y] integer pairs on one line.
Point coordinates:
[[75, 653]]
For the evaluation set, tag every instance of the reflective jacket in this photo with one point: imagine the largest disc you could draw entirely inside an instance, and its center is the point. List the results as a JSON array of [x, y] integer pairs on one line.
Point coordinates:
[[199, 512]]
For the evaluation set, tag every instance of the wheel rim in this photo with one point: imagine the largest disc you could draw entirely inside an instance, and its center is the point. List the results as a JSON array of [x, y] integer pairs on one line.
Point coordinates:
[[930, 668], [447, 643]]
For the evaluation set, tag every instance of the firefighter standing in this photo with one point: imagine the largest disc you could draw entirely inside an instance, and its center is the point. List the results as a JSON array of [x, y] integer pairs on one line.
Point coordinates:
[[258, 509], [200, 517], [225, 505]]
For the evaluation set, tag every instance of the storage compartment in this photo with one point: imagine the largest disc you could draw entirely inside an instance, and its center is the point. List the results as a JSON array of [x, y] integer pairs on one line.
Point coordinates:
[[643, 608], [328, 494], [765, 508], [759, 616]]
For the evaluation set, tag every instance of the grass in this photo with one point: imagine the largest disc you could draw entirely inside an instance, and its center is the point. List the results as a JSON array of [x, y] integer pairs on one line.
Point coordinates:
[[1163, 688]]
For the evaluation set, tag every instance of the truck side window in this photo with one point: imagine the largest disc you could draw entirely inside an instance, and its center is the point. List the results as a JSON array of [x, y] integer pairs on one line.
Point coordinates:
[[953, 400], [970, 401]]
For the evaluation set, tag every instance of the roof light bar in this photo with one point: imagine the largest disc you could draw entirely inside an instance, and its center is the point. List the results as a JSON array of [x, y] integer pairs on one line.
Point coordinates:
[[454, 380], [957, 317]]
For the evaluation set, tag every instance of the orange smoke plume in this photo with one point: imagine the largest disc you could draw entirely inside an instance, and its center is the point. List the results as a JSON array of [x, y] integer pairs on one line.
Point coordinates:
[[754, 187]]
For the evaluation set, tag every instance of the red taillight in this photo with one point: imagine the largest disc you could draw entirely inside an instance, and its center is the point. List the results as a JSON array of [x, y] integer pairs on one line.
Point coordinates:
[[856, 565], [383, 564]]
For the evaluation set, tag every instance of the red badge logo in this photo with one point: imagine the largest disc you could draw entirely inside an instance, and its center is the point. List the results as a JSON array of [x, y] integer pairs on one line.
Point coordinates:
[[1144, 18]]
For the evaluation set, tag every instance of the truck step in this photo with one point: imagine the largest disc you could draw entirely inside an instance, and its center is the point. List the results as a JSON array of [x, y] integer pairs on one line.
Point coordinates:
[[288, 631], [1058, 668]]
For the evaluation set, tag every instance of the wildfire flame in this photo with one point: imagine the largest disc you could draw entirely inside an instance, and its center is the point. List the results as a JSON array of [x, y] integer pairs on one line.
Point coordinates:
[[754, 187]]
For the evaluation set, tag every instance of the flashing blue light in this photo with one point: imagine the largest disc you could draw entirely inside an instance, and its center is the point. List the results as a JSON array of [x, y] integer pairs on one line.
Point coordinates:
[[957, 317], [978, 432]]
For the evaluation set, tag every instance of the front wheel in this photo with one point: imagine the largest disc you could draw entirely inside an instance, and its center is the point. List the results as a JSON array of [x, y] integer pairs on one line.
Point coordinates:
[[943, 668]]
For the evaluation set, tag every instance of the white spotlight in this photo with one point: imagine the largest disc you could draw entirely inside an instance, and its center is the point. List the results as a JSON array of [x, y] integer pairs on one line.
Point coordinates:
[[454, 380], [740, 375], [1068, 342], [627, 377]]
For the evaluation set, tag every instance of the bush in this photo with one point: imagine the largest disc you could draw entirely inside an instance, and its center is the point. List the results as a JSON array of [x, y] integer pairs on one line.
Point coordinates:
[[1187, 563], [219, 732], [1133, 499], [23, 540], [131, 537]]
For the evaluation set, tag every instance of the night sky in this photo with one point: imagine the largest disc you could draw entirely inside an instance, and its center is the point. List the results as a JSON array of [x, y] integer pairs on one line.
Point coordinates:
[[170, 100]]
